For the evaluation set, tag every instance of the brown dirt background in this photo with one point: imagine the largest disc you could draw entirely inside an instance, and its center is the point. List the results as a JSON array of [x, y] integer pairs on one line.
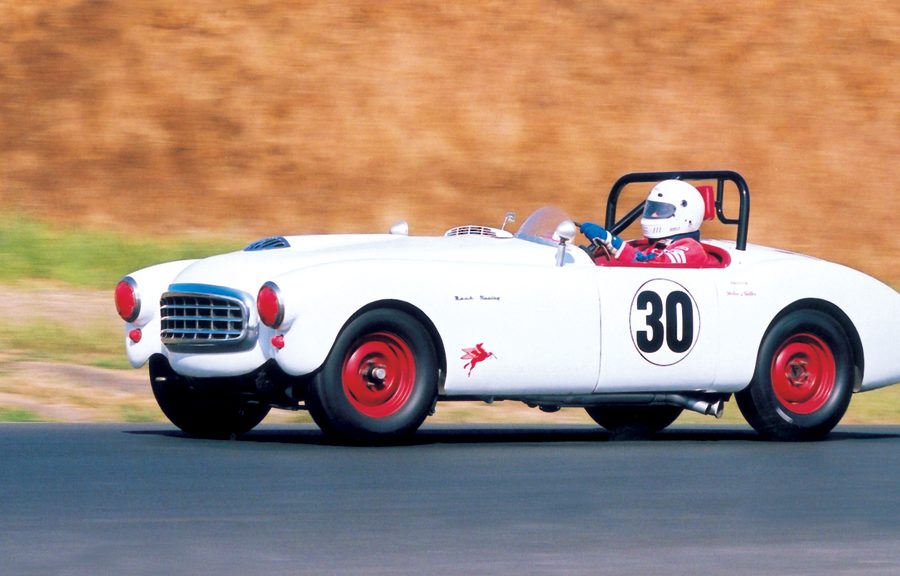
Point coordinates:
[[243, 118]]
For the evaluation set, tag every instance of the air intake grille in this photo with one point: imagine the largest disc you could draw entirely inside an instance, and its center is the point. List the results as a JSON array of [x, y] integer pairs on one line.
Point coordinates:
[[200, 320], [471, 231], [268, 244]]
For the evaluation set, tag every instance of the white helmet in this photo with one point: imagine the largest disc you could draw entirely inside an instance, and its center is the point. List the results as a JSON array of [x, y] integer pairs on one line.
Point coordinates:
[[673, 207]]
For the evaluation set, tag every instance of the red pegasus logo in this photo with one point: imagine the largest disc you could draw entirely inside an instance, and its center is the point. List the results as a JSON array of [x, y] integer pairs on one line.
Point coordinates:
[[475, 355]]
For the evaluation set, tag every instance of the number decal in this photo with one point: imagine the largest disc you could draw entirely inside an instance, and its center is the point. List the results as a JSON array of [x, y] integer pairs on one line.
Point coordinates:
[[651, 340], [665, 322], [679, 322]]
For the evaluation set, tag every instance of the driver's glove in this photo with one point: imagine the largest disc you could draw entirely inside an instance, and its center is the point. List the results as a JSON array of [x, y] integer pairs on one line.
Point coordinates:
[[599, 236]]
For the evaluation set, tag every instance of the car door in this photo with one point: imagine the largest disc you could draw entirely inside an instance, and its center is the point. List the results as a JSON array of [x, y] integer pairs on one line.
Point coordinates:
[[520, 329], [659, 328]]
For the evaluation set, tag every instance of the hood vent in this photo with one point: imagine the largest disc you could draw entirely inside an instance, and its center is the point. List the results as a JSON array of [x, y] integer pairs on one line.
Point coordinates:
[[478, 231], [268, 244]]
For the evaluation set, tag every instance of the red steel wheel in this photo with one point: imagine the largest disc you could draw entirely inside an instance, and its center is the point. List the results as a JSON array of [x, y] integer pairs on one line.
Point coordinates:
[[380, 380], [379, 374], [803, 373], [804, 378]]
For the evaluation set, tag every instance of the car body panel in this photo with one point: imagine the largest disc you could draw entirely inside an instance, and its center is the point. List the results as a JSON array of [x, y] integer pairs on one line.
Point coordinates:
[[547, 329]]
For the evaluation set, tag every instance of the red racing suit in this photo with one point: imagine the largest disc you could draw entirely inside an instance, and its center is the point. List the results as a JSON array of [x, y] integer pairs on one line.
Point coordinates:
[[668, 252]]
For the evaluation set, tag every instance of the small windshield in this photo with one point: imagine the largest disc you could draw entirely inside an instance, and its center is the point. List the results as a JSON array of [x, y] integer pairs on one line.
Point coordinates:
[[541, 226], [658, 210]]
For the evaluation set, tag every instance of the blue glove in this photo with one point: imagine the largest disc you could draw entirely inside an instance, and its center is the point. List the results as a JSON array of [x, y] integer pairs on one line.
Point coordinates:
[[599, 235]]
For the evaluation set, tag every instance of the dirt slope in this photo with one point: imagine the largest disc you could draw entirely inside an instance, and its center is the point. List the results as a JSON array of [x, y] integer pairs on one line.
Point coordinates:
[[244, 118]]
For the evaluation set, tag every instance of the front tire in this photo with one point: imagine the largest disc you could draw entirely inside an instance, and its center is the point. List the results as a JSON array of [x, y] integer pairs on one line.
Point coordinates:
[[803, 380], [379, 382], [199, 411], [633, 422]]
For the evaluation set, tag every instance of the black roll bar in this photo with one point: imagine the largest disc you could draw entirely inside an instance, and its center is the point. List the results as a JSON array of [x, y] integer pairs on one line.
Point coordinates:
[[720, 176]]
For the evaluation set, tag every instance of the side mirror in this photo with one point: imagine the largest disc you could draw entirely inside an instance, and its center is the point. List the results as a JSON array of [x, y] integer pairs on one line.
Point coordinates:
[[566, 232]]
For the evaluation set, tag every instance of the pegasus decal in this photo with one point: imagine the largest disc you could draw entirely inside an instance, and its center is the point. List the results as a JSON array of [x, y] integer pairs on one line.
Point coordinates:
[[475, 355]]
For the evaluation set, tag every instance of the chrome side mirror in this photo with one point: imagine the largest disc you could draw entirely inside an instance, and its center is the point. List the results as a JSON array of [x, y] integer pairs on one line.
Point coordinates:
[[566, 232]]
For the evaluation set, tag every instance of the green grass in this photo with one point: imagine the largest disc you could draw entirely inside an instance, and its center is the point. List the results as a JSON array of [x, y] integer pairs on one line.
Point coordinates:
[[138, 415], [31, 250], [17, 415], [38, 253], [877, 406], [90, 345]]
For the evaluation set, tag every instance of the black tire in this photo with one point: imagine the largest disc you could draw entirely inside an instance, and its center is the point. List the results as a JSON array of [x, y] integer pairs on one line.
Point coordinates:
[[803, 380], [633, 422], [198, 411], [379, 382]]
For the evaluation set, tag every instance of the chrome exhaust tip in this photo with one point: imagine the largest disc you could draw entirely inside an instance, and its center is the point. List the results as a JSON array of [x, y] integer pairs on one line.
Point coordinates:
[[700, 405]]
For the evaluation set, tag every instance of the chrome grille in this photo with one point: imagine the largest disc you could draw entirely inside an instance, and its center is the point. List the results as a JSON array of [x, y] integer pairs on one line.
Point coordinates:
[[216, 317]]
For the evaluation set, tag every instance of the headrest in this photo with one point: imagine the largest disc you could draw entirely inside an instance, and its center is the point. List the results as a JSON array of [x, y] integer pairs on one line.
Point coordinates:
[[709, 199]]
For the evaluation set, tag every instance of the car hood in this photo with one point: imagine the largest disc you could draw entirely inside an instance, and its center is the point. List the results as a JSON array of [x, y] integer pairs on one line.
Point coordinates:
[[247, 270]]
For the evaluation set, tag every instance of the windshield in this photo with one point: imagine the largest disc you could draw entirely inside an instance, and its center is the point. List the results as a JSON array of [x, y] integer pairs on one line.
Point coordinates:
[[541, 226]]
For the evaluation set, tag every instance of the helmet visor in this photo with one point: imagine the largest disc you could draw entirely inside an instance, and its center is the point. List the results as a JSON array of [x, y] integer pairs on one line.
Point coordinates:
[[658, 210]]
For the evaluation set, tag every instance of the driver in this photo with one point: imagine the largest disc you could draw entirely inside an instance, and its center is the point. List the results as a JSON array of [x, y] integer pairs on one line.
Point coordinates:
[[671, 226]]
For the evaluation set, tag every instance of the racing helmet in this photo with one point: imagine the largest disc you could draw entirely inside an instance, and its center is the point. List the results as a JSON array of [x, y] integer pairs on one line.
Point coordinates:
[[672, 207]]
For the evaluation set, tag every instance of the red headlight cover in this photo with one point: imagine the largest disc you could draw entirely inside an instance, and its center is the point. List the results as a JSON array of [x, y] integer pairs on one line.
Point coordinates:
[[269, 305], [128, 301]]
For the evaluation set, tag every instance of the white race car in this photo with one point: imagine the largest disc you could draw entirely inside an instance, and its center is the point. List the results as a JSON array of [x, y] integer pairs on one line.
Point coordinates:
[[369, 331]]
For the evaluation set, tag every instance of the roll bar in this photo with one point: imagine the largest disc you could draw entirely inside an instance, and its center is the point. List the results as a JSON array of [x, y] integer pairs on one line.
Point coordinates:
[[720, 176]]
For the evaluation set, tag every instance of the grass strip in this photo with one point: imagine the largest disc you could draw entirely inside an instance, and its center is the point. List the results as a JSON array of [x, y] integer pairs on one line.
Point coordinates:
[[91, 345], [18, 415], [32, 250]]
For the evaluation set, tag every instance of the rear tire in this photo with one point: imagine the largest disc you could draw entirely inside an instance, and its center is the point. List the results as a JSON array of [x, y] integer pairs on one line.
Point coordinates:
[[379, 382], [197, 410], [803, 380], [633, 422]]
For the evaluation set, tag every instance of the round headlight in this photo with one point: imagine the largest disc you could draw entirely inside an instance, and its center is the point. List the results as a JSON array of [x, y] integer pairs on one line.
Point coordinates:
[[128, 300], [269, 305]]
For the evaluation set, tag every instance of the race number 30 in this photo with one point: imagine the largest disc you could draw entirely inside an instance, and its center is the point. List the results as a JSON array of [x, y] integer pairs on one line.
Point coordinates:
[[665, 322]]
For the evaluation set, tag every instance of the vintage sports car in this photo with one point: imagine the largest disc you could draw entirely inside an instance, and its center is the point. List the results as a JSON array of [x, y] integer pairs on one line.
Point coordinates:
[[368, 332]]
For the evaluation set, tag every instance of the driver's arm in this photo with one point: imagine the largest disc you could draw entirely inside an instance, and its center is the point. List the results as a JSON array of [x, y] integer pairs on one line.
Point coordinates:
[[599, 236]]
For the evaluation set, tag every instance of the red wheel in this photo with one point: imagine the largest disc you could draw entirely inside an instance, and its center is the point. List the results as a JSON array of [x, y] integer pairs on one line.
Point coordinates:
[[804, 378], [379, 374], [380, 380], [803, 372]]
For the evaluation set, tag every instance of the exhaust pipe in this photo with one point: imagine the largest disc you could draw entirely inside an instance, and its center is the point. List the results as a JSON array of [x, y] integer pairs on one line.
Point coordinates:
[[707, 408]]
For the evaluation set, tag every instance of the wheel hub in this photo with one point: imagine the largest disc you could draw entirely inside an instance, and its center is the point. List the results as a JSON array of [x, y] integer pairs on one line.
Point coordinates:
[[375, 374], [797, 373], [803, 373], [379, 374]]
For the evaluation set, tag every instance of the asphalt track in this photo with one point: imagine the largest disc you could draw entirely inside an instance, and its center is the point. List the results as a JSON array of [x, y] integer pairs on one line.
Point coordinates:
[[142, 499]]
